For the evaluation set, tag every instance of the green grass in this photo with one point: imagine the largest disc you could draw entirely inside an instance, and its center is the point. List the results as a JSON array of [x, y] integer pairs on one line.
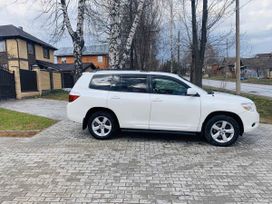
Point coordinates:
[[263, 104], [57, 95], [12, 120], [252, 80]]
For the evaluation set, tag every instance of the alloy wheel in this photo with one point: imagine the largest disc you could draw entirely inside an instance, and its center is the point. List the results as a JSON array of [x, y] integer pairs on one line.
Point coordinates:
[[222, 131], [101, 126]]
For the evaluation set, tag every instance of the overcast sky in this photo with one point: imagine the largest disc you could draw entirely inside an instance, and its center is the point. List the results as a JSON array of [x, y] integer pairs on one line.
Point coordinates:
[[256, 24]]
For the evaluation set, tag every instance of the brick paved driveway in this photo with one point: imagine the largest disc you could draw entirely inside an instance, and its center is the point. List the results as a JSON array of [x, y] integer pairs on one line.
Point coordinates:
[[64, 164]]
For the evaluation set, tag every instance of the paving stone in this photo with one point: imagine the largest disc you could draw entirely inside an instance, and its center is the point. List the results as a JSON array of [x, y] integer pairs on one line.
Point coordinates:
[[63, 164]]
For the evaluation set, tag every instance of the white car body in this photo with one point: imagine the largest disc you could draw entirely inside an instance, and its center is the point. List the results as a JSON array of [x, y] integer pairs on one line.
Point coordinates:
[[157, 111]]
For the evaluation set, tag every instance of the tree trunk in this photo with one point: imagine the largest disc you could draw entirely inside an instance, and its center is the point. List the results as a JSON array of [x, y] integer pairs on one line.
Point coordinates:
[[77, 36], [131, 35], [78, 47], [198, 48], [195, 46], [115, 31]]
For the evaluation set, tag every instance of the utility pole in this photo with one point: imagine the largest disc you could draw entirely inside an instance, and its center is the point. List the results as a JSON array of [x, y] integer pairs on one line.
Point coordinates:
[[179, 44], [238, 70]]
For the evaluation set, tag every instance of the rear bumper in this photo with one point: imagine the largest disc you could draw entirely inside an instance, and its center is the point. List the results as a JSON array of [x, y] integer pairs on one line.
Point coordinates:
[[251, 120], [73, 113]]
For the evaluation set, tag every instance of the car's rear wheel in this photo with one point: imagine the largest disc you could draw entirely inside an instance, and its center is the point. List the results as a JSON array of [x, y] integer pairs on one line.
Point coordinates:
[[102, 125], [222, 130]]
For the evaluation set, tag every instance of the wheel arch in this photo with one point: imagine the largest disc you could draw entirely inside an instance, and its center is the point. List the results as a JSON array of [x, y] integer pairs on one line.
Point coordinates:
[[94, 110], [230, 114]]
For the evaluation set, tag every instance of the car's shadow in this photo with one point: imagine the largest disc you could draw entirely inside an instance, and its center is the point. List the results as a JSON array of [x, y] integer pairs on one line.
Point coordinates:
[[167, 137]]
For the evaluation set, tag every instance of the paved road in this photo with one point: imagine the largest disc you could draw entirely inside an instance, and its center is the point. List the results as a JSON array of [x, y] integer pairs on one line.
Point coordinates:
[[63, 164], [43, 107], [256, 89]]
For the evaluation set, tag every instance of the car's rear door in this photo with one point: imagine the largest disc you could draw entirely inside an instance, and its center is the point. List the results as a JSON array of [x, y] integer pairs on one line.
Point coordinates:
[[171, 108], [130, 101]]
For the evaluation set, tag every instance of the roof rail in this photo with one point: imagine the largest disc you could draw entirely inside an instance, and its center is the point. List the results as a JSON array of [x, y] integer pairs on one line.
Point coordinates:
[[109, 69]]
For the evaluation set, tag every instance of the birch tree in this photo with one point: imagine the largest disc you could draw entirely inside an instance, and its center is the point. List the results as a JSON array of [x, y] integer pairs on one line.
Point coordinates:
[[114, 33], [68, 16], [131, 35], [119, 50], [77, 34]]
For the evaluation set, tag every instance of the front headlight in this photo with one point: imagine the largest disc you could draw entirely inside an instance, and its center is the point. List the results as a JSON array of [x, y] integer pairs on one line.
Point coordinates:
[[249, 106]]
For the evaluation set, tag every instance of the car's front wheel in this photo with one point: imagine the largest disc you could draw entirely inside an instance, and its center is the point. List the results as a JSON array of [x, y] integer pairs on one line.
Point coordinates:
[[222, 130], [102, 125]]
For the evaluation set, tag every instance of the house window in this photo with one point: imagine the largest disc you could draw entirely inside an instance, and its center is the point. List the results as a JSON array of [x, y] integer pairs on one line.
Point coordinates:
[[2, 46], [63, 60], [46, 53], [100, 59], [30, 49]]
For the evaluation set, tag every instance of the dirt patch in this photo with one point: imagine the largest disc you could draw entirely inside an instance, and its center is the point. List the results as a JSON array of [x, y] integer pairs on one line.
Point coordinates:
[[17, 133]]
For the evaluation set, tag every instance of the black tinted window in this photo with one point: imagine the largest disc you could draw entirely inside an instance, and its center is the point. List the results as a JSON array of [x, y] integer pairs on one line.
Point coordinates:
[[129, 83], [102, 82], [168, 86]]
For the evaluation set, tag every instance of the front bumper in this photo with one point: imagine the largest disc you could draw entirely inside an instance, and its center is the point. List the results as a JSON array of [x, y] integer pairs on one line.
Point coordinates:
[[251, 120]]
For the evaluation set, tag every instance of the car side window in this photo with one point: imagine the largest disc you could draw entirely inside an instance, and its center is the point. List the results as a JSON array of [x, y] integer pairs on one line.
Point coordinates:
[[168, 86], [101, 82], [129, 83]]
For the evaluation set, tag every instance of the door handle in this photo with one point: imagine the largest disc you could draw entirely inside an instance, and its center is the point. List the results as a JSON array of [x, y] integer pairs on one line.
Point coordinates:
[[115, 97], [157, 100]]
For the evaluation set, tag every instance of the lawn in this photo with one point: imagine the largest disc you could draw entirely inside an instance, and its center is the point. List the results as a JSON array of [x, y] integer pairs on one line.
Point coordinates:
[[12, 120], [57, 95], [252, 80], [263, 104]]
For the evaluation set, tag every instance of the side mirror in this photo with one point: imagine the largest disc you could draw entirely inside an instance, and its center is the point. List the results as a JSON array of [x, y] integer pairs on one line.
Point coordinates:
[[191, 92]]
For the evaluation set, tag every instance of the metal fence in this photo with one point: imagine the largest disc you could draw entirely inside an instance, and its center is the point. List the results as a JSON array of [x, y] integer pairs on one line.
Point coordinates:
[[28, 80], [7, 85]]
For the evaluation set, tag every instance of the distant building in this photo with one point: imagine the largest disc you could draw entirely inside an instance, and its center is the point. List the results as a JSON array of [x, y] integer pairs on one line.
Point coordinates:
[[98, 55], [259, 66]]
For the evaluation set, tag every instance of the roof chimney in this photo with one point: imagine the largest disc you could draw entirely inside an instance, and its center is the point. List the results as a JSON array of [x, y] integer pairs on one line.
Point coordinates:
[[20, 27]]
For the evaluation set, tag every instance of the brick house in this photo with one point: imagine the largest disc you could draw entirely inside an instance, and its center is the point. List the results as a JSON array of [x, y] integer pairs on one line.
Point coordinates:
[[98, 55], [22, 54], [20, 49]]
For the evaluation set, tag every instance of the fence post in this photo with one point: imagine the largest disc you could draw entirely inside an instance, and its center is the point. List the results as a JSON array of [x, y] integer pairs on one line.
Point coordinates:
[[36, 68], [17, 80]]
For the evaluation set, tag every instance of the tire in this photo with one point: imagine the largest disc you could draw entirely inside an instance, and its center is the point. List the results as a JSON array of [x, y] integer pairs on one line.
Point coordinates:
[[221, 130], [102, 125]]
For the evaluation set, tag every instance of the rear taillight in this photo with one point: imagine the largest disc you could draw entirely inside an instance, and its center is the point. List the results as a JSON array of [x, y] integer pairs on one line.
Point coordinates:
[[73, 97]]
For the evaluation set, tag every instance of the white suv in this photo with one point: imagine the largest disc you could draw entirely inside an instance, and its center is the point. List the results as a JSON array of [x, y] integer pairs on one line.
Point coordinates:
[[108, 101]]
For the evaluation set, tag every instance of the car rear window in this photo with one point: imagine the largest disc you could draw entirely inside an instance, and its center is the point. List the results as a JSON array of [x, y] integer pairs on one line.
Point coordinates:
[[101, 82], [130, 83]]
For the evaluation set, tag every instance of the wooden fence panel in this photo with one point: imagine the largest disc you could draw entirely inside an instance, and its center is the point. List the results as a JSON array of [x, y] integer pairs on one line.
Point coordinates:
[[57, 81]]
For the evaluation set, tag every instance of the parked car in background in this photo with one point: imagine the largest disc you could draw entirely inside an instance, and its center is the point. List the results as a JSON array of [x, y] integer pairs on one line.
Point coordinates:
[[108, 101]]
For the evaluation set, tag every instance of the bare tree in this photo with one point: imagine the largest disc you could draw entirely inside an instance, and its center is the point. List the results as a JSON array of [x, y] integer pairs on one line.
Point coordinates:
[[144, 48], [114, 33], [76, 35], [202, 21], [120, 46], [198, 46], [62, 16]]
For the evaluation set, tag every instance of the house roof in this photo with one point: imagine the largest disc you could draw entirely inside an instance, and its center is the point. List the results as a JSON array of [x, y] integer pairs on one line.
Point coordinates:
[[261, 63], [264, 55], [11, 31], [99, 49], [63, 67], [253, 63]]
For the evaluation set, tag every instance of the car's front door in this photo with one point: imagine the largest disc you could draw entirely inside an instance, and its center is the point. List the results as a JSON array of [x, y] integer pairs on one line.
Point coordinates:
[[130, 101], [171, 108]]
